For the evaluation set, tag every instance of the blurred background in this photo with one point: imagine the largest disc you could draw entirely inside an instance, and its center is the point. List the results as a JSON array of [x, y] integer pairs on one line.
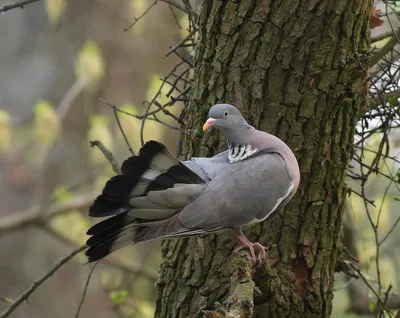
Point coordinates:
[[57, 58]]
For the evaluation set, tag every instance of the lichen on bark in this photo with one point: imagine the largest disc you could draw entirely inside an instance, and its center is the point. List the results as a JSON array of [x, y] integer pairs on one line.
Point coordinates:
[[296, 69]]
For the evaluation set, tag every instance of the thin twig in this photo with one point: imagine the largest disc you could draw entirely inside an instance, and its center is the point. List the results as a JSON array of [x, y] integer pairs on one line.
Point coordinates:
[[19, 4], [6, 299], [122, 131], [171, 8], [370, 287], [176, 5], [382, 314], [136, 20], [180, 43], [85, 289], [25, 295], [344, 286], [385, 49], [140, 117], [107, 153], [390, 231], [71, 95], [132, 268]]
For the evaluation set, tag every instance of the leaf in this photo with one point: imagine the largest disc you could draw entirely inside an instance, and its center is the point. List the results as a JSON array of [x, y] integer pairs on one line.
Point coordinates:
[[90, 62], [46, 123], [375, 20], [55, 9], [118, 296], [396, 198]]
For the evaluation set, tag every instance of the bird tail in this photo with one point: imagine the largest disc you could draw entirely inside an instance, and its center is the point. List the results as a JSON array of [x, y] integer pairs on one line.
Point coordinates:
[[153, 187], [153, 169]]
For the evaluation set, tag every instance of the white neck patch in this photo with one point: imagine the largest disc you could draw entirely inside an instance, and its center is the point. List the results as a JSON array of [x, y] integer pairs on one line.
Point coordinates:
[[240, 152]]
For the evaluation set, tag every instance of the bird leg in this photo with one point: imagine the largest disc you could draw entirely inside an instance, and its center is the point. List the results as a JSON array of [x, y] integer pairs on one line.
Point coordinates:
[[243, 242]]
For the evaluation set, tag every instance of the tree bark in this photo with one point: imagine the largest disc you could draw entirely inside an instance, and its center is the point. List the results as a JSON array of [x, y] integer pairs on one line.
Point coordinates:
[[295, 69]]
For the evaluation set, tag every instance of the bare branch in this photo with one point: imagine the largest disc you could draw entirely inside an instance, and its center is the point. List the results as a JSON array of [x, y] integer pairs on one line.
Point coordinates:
[[85, 289], [122, 131], [132, 268], [381, 36], [24, 296], [383, 98], [371, 288], [390, 231], [144, 116], [180, 43], [386, 48], [107, 153], [36, 215], [176, 5], [136, 20], [71, 96], [6, 299], [19, 4]]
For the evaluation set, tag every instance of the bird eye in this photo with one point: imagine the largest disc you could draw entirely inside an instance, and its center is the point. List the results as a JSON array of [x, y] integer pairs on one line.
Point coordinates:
[[226, 113]]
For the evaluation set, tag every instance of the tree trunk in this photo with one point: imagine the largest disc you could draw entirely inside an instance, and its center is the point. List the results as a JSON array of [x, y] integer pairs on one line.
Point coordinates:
[[296, 69]]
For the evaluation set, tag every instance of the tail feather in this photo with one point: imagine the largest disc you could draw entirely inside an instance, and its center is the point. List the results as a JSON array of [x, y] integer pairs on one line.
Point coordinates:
[[153, 188], [154, 169], [108, 225], [122, 231]]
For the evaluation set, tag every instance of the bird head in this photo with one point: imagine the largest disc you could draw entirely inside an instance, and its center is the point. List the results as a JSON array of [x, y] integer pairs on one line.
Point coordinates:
[[225, 117]]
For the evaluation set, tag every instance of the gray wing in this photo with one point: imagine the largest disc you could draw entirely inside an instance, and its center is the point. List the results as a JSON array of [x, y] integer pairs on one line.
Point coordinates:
[[243, 193], [208, 168]]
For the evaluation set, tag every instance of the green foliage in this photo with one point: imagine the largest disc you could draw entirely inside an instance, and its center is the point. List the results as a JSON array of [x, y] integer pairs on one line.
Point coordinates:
[[61, 194], [90, 63], [146, 309], [372, 305], [118, 296], [392, 101], [46, 123], [6, 131], [54, 9]]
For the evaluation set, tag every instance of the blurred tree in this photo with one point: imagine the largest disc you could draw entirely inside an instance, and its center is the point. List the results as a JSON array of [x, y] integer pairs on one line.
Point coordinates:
[[296, 69]]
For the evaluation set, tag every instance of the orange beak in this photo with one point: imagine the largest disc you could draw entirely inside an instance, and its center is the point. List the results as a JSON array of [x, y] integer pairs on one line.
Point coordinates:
[[209, 123]]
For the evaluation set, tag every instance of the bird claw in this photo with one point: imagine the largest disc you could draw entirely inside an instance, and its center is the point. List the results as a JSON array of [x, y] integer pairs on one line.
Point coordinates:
[[262, 254]]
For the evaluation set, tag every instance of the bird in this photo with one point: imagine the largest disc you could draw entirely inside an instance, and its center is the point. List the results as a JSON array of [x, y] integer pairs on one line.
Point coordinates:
[[157, 196]]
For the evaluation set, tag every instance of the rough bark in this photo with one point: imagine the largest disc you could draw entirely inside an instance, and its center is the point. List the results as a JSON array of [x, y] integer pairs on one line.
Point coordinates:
[[296, 69]]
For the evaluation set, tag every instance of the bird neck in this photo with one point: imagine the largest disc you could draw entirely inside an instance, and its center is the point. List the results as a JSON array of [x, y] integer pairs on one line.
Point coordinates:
[[239, 152]]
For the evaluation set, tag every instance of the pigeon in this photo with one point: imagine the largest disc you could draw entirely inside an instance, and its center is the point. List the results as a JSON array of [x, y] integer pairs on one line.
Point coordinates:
[[156, 196]]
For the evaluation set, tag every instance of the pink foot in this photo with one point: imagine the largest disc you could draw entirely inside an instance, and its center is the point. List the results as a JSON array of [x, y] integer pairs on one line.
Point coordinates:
[[243, 242]]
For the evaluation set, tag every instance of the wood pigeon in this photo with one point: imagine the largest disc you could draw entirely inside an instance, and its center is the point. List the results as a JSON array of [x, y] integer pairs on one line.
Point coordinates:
[[159, 197]]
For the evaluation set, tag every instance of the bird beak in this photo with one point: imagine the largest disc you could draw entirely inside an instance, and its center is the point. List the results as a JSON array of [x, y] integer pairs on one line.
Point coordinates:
[[209, 123]]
